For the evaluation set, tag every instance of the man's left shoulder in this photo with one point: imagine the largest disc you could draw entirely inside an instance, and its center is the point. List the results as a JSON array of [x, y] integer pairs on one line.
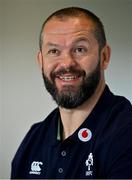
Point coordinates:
[[123, 102], [122, 107]]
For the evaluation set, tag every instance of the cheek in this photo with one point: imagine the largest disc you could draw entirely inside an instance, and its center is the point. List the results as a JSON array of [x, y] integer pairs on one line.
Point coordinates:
[[89, 65], [48, 68]]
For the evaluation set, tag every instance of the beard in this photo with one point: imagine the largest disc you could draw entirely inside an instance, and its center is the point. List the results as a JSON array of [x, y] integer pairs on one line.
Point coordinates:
[[68, 98]]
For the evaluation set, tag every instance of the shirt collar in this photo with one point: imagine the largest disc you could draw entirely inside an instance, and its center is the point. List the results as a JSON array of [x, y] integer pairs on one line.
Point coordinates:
[[59, 130]]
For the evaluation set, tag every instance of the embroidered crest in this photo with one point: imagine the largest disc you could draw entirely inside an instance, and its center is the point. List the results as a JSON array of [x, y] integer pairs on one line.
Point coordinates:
[[89, 164]]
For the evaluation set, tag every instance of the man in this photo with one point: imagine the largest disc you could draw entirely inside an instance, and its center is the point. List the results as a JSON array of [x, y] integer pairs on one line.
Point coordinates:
[[89, 135]]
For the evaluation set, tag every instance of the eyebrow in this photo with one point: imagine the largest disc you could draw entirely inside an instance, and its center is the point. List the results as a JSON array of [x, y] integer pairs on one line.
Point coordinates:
[[81, 39], [49, 44]]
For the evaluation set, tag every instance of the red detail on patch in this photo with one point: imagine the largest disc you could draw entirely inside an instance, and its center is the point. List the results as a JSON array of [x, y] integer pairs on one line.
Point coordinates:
[[85, 134]]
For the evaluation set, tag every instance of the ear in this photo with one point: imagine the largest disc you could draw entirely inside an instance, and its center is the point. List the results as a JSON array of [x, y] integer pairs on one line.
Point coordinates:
[[105, 56], [40, 59]]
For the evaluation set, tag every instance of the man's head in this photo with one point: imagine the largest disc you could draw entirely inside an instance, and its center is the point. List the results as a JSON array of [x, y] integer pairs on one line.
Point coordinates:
[[73, 55], [64, 14]]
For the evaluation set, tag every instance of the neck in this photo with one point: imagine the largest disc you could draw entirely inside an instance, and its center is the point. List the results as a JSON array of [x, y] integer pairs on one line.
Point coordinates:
[[73, 118]]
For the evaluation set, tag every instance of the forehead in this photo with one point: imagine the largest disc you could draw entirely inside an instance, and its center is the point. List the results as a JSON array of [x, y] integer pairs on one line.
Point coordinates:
[[57, 25], [70, 28]]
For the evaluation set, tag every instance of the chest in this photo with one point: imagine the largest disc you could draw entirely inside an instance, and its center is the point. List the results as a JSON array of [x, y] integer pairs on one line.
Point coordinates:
[[69, 161]]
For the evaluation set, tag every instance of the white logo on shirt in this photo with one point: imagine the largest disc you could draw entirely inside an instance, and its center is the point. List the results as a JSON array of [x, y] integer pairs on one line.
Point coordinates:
[[35, 168], [89, 163]]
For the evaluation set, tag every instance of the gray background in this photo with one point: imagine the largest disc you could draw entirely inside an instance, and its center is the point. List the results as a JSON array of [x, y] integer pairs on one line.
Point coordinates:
[[23, 100]]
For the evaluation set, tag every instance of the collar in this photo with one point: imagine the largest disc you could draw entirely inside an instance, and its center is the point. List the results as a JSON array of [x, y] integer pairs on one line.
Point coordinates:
[[59, 135]]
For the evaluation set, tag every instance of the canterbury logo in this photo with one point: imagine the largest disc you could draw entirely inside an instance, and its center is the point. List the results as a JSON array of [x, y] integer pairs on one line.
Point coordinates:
[[35, 167]]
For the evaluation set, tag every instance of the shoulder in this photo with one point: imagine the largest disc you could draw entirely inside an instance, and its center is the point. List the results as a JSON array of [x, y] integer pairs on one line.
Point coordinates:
[[38, 132], [117, 103], [49, 120], [40, 129], [115, 112], [119, 118], [122, 102], [117, 107], [121, 110]]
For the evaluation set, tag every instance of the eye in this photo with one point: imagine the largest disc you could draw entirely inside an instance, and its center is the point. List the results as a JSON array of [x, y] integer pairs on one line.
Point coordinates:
[[80, 50], [54, 52]]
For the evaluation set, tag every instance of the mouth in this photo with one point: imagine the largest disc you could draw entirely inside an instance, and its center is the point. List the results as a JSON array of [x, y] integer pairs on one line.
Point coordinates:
[[68, 78]]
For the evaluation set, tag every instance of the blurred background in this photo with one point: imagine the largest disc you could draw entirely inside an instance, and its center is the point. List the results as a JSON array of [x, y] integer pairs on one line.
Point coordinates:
[[23, 99]]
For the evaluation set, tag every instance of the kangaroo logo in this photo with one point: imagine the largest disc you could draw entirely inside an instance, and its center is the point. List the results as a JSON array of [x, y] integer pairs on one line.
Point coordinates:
[[35, 168]]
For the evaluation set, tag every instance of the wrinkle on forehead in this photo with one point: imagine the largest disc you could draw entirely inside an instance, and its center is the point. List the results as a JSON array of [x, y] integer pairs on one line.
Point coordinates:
[[70, 31], [57, 31], [69, 41], [67, 38], [73, 25]]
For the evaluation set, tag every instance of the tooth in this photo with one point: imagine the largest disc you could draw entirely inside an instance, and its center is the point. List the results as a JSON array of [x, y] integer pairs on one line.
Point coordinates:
[[68, 78]]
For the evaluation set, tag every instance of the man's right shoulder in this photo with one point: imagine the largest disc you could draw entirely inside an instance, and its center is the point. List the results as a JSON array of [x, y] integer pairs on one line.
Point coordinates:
[[49, 120], [39, 131]]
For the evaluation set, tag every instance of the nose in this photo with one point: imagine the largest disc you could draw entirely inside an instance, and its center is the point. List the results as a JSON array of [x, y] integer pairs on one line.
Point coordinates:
[[68, 61]]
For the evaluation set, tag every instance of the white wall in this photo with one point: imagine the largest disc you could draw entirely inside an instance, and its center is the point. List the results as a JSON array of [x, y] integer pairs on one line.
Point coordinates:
[[24, 100], [1, 41], [119, 30]]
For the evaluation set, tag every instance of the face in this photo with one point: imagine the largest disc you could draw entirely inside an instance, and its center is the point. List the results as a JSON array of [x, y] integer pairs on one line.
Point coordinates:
[[70, 60]]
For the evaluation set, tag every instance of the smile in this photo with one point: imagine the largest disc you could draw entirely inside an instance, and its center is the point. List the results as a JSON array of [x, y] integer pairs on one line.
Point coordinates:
[[68, 78]]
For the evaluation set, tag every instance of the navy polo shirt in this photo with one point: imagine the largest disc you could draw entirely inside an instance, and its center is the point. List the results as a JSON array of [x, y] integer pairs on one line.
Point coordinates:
[[100, 148]]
